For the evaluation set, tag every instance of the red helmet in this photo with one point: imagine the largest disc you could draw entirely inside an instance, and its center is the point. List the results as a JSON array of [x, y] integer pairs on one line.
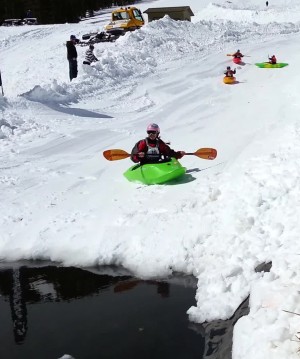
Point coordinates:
[[153, 127]]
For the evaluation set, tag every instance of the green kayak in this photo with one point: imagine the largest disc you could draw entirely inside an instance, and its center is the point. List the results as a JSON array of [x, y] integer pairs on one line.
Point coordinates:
[[267, 65], [155, 173]]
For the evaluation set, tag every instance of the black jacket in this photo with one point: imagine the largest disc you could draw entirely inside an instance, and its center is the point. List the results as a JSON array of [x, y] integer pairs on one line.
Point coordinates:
[[71, 51]]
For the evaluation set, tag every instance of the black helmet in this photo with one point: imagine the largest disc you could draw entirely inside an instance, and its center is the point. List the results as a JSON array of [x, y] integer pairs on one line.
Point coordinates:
[[238, 50], [228, 67]]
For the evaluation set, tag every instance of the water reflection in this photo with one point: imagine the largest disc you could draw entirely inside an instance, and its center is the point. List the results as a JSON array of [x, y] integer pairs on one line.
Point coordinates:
[[155, 308], [18, 306], [162, 288], [218, 334], [43, 284]]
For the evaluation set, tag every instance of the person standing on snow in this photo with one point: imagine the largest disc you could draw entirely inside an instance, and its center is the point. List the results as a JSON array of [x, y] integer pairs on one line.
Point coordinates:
[[152, 149], [229, 72], [72, 57], [89, 56]]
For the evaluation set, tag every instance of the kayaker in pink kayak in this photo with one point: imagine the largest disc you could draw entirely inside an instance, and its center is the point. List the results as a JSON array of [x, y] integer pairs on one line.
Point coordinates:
[[152, 149], [238, 55], [229, 72]]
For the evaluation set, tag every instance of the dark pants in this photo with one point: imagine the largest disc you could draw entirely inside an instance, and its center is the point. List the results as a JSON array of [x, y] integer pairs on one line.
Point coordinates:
[[73, 71]]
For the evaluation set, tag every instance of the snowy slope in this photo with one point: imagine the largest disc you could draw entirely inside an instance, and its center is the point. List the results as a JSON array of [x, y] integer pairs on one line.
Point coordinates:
[[62, 201]]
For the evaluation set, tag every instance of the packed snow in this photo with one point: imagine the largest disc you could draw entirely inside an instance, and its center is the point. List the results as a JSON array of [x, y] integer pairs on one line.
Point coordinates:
[[62, 201]]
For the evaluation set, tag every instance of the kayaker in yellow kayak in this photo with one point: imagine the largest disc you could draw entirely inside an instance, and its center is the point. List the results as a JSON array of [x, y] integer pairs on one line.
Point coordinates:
[[152, 149], [229, 72]]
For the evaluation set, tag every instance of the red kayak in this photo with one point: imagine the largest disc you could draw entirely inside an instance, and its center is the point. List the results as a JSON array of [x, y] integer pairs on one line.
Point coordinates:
[[237, 60]]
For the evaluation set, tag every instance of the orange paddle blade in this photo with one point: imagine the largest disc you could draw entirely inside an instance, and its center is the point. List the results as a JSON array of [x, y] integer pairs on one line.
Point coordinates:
[[206, 153], [115, 155], [126, 285]]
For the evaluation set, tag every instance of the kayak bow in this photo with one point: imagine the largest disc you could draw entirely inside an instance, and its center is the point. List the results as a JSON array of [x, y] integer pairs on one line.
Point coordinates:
[[229, 80], [155, 173]]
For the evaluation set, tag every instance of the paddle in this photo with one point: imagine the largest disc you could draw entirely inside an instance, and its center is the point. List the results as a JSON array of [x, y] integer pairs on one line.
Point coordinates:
[[243, 55], [204, 153]]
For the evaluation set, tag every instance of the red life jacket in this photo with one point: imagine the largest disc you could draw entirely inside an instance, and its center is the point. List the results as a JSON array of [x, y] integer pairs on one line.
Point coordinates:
[[154, 151]]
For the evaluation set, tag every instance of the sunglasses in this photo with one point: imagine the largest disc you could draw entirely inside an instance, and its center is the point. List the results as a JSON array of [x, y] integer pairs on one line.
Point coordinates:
[[152, 132]]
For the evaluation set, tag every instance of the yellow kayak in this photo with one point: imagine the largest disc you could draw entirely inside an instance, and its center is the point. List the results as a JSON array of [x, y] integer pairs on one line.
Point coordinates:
[[229, 80]]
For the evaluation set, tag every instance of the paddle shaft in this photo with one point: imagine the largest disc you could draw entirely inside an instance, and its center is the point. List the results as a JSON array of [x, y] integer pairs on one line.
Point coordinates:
[[117, 154]]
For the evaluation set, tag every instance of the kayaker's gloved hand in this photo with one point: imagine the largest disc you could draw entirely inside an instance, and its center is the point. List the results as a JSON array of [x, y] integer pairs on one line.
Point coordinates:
[[180, 154], [141, 154]]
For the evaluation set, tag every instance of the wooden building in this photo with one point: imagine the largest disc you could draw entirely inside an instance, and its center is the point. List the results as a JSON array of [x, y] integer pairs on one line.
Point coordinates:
[[175, 13]]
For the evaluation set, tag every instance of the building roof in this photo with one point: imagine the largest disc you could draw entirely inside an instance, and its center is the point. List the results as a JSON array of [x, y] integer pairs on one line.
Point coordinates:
[[171, 9]]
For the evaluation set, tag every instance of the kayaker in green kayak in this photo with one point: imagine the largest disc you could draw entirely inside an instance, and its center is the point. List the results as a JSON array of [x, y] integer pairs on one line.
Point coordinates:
[[272, 60], [152, 149]]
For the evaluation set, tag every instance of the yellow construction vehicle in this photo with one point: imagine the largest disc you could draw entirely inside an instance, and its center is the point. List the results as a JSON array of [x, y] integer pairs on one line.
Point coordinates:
[[126, 19]]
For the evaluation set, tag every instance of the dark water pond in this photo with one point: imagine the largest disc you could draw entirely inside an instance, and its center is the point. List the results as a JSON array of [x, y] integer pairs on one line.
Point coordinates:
[[48, 311]]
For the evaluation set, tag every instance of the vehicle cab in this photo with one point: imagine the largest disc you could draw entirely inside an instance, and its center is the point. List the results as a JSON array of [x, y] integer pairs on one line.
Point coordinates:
[[127, 19]]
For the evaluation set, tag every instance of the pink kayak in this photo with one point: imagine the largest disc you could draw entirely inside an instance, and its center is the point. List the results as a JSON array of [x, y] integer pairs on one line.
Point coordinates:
[[237, 60]]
